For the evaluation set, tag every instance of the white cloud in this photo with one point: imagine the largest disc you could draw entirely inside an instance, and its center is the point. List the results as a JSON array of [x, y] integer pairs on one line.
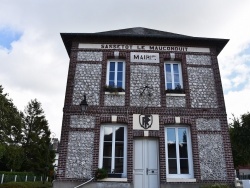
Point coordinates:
[[237, 103]]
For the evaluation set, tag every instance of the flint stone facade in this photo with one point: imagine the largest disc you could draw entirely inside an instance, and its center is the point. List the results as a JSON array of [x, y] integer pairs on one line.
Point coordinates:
[[80, 155], [175, 101], [199, 107], [87, 81], [211, 152], [82, 121], [89, 56], [202, 87], [142, 75], [114, 100]]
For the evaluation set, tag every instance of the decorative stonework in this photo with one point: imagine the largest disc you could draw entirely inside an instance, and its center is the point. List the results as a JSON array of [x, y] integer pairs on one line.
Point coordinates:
[[82, 121], [89, 56], [212, 157], [202, 87], [141, 76], [114, 100], [87, 81], [208, 124], [80, 155], [173, 101], [198, 59]]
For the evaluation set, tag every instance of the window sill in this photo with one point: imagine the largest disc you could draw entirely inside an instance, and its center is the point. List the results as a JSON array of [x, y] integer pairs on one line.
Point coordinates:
[[181, 180], [175, 95], [114, 179], [114, 93]]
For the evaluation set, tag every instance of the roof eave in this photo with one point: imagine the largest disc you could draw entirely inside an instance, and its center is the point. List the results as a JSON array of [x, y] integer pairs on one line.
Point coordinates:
[[68, 38]]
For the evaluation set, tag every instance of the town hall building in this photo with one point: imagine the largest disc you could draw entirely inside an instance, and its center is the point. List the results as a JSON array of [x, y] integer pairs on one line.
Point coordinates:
[[148, 107]]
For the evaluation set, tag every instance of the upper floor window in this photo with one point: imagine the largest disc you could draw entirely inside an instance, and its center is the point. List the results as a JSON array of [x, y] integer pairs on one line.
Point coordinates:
[[113, 150], [173, 76], [116, 74], [178, 152]]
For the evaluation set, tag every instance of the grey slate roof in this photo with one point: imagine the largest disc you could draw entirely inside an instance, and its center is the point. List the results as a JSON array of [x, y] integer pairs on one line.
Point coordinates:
[[141, 35], [143, 32]]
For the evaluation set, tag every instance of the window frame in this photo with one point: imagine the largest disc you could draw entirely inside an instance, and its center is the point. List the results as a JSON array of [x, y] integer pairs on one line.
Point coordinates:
[[172, 74], [178, 175], [116, 67], [101, 147]]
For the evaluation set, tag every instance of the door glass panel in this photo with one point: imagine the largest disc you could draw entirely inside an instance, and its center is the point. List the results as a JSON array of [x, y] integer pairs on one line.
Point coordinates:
[[171, 150], [111, 76], [171, 135], [111, 83], [108, 134], [168, 68], [119, 135], [119, 149], [107, 164], [119, 84], [176, 78], [119, 76], [169, 85], [107, 150], [172, 166], [118, 165], [184, 166], [183, 150], [120, 66], [176, 68], [112, 66], [182, 135], [169, 77]]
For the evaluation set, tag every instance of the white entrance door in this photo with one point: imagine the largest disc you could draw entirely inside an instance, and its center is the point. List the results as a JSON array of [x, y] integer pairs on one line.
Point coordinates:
[[146, 163]]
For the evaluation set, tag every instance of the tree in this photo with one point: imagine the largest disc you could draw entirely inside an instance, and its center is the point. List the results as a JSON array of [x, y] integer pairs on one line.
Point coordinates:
[[14, 157], [240, 140], [10, 121], [36, 142]]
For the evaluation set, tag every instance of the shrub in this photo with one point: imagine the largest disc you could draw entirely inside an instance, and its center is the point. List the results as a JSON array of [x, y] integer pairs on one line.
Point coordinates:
[[101, 173], [215, 186], [26, 185]]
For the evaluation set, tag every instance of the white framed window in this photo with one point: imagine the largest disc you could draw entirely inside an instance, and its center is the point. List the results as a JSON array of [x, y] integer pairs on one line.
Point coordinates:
[[113, 150], [179, 162], [173, 75], [116, 73]]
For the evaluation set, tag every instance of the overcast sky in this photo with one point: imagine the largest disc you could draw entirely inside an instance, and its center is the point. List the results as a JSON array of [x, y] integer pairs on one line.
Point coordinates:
[[34, 62]]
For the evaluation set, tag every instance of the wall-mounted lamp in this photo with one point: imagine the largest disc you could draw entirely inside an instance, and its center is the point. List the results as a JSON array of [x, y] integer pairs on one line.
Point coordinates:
[[84, 104]]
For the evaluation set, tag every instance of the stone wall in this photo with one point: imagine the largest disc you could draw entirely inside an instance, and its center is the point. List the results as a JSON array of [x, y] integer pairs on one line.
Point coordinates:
[[82, 121], [142, 75], [202, 87], [208, 124], [87, 81], [176, 101], [80, 155], [198, 59], [89, 56], [212, 157], [114, 100]]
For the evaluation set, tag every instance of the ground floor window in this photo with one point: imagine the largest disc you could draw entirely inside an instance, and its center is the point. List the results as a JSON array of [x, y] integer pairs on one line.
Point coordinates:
[[178, 152], [113, 150]]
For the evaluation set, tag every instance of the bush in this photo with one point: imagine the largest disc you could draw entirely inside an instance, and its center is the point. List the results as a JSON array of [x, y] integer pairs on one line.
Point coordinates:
[[101, 173], [215, 186], [26, 185]]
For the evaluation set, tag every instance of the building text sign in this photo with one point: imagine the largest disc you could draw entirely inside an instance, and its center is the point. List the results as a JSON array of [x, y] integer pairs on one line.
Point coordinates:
[[144, 47], [144, 57], [145, 122]]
